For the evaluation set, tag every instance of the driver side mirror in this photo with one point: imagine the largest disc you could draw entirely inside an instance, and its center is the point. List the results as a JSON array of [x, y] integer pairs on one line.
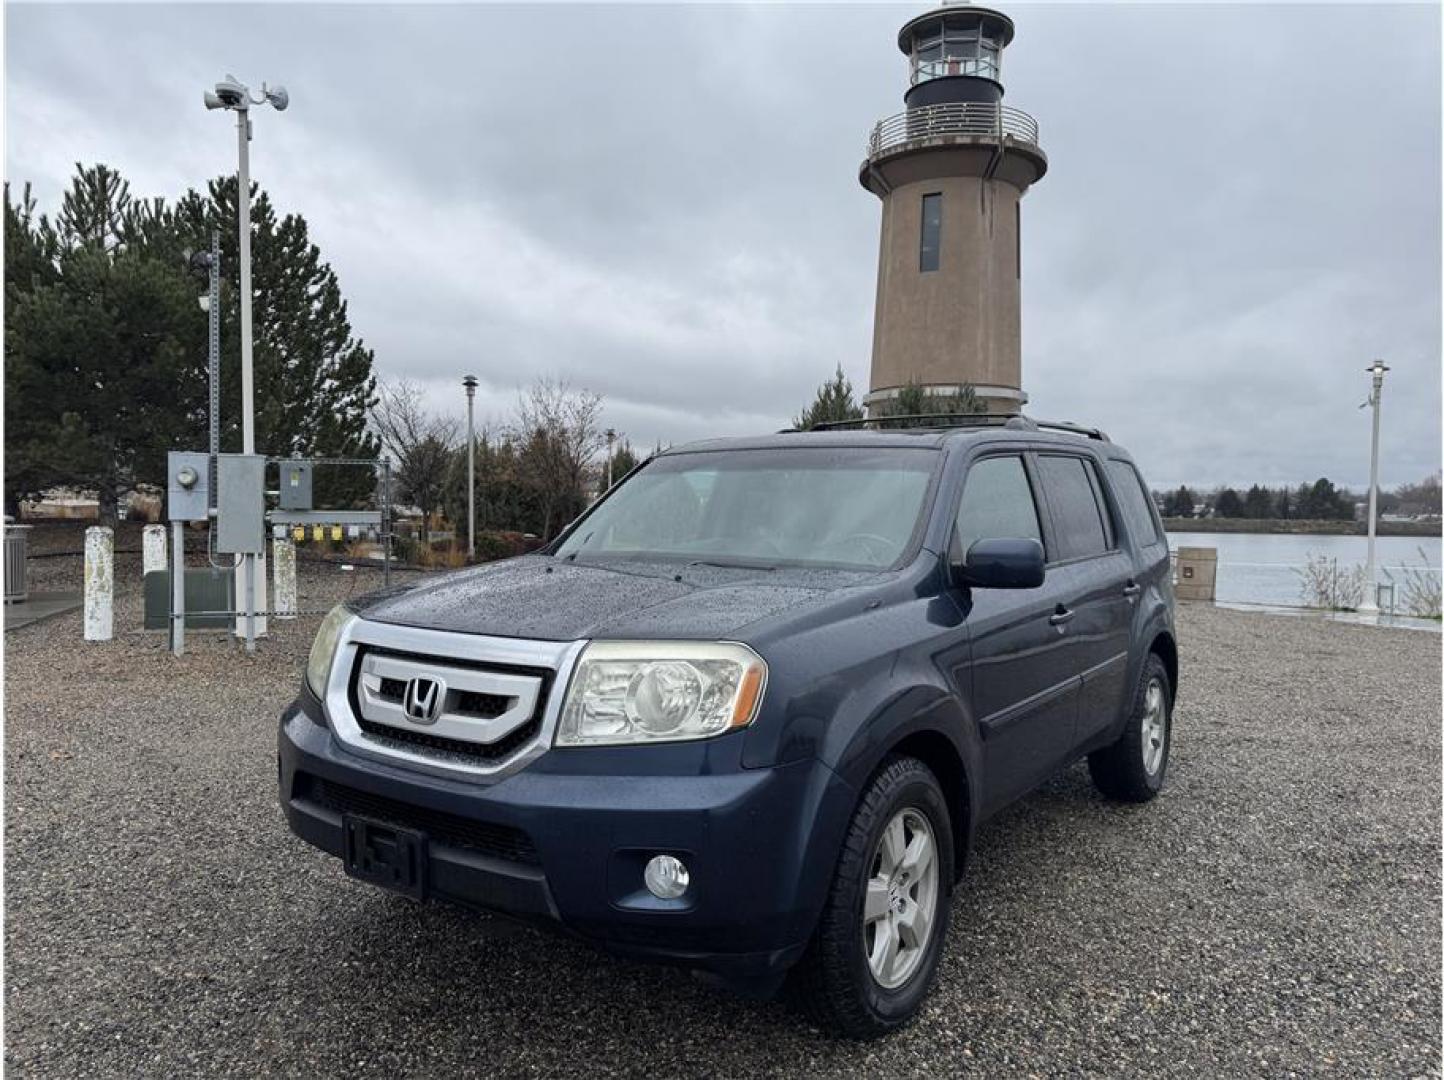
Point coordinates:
[[1004, 563]]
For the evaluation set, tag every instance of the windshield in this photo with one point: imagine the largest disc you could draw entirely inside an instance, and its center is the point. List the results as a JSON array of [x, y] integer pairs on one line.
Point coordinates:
[[806, 506]]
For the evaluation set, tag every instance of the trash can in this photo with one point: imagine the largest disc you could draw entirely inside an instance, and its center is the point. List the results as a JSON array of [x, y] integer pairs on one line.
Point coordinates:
[[17, 546], [1197, 573]]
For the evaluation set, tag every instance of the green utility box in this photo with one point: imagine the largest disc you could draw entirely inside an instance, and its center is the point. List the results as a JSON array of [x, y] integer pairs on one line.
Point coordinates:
[[207, 589]]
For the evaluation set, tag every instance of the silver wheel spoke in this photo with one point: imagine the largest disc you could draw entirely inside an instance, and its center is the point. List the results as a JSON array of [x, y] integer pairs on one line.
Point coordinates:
[[875, 906], [919, 856], [914, 924], [884, 949]]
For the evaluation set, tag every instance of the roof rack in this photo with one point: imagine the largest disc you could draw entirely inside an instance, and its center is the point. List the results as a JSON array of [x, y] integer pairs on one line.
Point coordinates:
[[932, 422]]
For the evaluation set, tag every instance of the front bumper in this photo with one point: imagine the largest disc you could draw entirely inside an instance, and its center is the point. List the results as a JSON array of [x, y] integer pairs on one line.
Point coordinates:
[[564, 840]]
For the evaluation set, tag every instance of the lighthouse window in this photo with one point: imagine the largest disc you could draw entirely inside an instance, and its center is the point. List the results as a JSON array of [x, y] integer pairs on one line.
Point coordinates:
[[932, 233]]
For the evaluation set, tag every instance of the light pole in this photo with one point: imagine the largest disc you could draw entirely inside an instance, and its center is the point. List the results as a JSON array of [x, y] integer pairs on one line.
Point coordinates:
[[611, 438], [469, 381], [230, 93], [1370, 605]]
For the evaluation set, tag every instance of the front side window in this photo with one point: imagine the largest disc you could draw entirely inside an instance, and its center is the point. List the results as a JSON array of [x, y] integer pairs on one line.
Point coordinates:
[[997, 504], [1134, 502], [846, 506], [1072, 494], [932, 233]]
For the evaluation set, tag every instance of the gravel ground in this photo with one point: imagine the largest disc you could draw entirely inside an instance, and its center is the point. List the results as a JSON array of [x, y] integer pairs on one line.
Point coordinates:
[[1276, 912]]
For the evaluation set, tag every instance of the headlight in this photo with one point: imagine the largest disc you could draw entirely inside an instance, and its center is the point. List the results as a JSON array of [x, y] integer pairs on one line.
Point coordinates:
[[660, 691], [323, 649]]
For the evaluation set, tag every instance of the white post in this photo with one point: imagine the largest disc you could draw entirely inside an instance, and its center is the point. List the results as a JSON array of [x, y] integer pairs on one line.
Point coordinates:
[[1370, 605], [99, 583], [152, 546], [178, 588], [283, 555]]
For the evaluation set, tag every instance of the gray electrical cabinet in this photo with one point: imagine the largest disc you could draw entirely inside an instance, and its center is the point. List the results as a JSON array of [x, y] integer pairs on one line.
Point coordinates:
[[207, 589], [296, 484], [188, 486], [240, 504]]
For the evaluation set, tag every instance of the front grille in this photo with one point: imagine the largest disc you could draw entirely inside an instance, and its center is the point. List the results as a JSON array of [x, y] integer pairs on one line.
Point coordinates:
[[496, 841], [406, 738], [379, 718]]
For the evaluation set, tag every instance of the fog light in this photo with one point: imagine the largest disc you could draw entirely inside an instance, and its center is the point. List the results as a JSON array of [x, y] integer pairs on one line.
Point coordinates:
[[666, 877]]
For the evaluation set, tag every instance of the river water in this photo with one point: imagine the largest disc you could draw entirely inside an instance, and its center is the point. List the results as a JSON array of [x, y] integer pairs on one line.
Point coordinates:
[[1262, 568]]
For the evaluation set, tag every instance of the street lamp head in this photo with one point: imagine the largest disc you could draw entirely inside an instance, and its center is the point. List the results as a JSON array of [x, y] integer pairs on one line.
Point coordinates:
[[1378, 367], [469, 381]]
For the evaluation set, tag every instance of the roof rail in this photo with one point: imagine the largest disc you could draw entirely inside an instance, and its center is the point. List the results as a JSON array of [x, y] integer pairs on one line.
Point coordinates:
[[1073, 429], [932, 422]]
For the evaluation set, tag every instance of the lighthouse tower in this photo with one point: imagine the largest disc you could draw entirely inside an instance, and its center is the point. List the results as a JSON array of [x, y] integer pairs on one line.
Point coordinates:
[[950, 171]]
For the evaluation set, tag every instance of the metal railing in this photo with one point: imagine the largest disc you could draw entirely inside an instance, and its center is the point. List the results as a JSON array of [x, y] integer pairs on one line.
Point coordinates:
[[976, 118]]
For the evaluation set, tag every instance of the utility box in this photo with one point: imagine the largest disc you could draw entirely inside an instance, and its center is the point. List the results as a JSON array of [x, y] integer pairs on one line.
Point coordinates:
[[1197, 573], [240, 504], [296, 484], [207, 589], [188, 486]]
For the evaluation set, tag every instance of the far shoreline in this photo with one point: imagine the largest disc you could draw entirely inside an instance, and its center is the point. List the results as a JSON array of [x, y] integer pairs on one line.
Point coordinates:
[[1299, 528]]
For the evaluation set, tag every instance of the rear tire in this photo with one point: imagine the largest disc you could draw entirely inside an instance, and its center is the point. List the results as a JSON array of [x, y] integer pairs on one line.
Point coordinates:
[[1133, 768], [875, 953]]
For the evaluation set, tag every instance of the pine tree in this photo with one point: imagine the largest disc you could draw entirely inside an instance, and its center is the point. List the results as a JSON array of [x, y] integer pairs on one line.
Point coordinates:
[[834, 402]]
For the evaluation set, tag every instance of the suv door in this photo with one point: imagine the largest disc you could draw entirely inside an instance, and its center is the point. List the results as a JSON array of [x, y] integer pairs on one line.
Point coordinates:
[[1021, 682], [1094, 575]]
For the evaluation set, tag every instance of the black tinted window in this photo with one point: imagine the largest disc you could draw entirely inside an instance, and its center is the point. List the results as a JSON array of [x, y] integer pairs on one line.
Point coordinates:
[[1134, 501], [1077, 517], [997, 503]]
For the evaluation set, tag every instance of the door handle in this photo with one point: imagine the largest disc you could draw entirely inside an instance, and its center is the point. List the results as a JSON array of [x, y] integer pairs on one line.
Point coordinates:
[[1132, 589], [1061, 616]]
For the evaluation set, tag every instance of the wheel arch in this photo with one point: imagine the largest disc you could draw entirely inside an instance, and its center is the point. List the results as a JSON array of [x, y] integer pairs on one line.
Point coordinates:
[[1166, 649]]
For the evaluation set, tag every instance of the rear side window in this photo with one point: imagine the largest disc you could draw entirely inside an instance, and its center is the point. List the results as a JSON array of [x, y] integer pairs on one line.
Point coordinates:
[[1078, 520], [1134, 501], [997, 503]]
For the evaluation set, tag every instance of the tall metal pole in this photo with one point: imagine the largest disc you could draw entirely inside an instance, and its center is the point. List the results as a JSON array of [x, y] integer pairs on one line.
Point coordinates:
[[1370, 605], [469, 382], [249, 565], [611, 438]]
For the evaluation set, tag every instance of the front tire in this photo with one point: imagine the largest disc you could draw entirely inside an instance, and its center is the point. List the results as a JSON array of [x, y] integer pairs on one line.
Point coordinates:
[[880, 937], [1132, 769]]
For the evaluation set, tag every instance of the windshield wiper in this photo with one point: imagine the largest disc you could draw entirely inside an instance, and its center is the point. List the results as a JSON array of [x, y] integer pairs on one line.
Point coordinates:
[[733, 564]]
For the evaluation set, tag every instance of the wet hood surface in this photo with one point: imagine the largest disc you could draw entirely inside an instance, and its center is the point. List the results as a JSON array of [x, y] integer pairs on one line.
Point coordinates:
[[537, 596]]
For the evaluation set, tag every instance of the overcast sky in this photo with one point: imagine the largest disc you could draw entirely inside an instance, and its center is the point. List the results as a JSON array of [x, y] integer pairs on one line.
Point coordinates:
[[661, 203]]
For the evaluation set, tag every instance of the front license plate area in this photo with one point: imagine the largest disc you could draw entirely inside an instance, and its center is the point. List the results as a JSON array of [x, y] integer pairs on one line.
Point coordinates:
[[384, 855]]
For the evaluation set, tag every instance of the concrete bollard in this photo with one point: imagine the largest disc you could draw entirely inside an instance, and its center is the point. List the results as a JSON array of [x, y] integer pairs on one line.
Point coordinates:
[[99, 583], [152, 547], [283, 556]]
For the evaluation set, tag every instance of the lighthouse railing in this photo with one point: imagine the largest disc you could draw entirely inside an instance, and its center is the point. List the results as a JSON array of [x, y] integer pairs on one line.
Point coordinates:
[[974, 118]]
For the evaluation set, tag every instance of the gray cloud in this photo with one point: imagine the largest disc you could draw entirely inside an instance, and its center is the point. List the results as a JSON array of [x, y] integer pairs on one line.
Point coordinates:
[[660, 203]]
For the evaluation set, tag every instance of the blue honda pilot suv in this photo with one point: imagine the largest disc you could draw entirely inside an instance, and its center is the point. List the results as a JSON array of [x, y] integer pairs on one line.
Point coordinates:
[[747, 712]]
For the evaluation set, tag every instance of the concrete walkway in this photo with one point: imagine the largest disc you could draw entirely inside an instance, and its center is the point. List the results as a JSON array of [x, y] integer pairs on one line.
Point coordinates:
[[40, 605]]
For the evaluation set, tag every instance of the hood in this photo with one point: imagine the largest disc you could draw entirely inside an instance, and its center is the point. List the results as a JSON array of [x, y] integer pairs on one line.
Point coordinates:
[[536, 596]]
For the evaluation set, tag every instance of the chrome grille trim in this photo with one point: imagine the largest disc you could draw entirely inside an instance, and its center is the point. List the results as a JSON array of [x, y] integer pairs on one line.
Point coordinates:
[[451, 722], [446, 648]]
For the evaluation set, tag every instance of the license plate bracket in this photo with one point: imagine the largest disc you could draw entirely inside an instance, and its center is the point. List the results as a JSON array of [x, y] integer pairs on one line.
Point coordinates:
[[385, 855]]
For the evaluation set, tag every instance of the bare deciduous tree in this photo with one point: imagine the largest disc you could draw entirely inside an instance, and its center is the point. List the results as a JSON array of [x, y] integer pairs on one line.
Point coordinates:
[[421, 443], [559, 434]]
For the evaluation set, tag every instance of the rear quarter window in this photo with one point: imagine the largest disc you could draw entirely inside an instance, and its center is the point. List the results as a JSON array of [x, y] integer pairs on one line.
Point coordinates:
[[1134, 502]]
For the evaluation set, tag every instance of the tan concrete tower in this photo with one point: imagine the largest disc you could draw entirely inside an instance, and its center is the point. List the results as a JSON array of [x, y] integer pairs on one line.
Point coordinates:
[[950, 172]]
